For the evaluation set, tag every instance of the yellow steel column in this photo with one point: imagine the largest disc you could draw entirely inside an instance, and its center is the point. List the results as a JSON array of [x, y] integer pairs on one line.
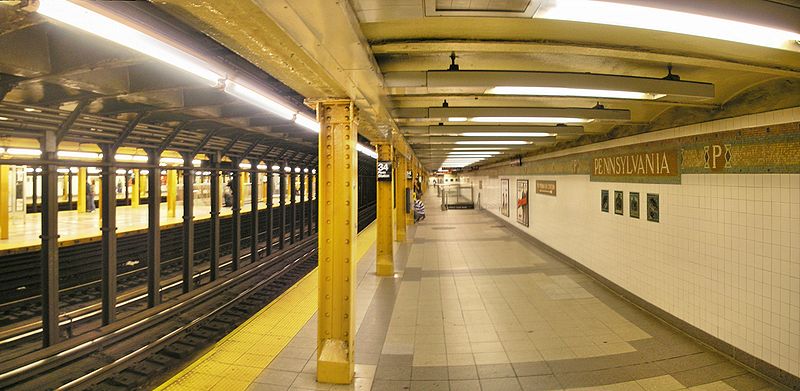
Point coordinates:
[[82, 189], [4, 184], [172, 192], [135, 188], [400, 200], [384, 244], [338, 172], [65, 186], [245, 178]]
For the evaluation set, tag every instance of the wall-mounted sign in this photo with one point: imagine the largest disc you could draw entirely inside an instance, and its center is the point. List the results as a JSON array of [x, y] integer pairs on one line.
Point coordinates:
[[637, 165], [717, 157], [546, 187], [409, 174], [504, 197], [384, 170]]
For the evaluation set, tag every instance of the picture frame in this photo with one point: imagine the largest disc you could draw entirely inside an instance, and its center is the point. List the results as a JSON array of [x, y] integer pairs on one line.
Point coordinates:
[[604, 201], [633, 205], [523, 204], [619, 202], [504, 184]]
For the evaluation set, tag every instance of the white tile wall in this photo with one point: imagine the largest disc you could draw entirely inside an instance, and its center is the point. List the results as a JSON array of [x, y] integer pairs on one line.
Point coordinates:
[[725, 256]]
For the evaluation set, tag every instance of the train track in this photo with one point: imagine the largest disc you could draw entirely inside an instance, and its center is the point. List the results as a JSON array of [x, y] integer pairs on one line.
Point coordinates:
[[192, 335]]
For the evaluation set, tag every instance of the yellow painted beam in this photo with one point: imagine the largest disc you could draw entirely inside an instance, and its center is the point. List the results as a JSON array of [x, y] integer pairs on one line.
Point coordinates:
[[135, 188], [172, 192], [400, 200], [338, 173], [4, 185], [385, 245], [82, 189]]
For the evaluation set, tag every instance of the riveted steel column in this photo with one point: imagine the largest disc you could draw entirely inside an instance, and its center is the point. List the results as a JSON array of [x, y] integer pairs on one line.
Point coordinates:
[[270, 210], [302, 206], [236, 216], [282, 219], [310, 204], [293, 206], [70, 194], [82, 189], [172, 191], [384, 242], [400, 197], [409, 191], [338, 225], [49, 248], [188, 225], [254, 215], [213, 245], [153, 229], [316, 203], [108, 211], [4, 187]]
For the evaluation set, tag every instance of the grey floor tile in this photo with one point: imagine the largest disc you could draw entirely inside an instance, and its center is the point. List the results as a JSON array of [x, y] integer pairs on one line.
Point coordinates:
[[531, 368], [687, 362], [491, 371], [501, 384], [266, 387], [430, 385], [393, 372], [748, 382], [708, 374], [429, 373], [465, 385], [537, 383], [391, 385], [276, 377], [462, 372]]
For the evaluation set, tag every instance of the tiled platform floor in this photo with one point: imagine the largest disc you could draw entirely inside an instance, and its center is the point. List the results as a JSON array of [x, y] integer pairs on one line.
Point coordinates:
[[24, 230], [474, 307]]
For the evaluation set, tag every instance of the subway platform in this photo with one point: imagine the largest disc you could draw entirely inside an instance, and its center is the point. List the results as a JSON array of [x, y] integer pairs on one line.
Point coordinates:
[[472, 306]]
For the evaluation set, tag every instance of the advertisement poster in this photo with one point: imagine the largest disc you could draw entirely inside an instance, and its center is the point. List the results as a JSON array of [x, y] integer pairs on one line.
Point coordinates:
[[504, 197], [522, 202]]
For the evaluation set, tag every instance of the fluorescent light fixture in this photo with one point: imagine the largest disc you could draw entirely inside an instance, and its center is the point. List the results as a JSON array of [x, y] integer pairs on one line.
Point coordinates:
[[314, 171], [276, 168], [493, 142], [470, 153], [3, 118], [23, 152], [196, 162], [531, 120], [121, 171], [32, 110], [144, 172], [171, 160], [261, 166], [479, 149], [366, 150], [245, 166], [130, 37], [73, 170], [563, 91], [457, 119], [287, 169], [79, 155], [307, 123], [471, 156], [260, 100], [648, 18], [297, 169], [39, 169], [305, 170], [130, 158], [63, 170], [507, 134]]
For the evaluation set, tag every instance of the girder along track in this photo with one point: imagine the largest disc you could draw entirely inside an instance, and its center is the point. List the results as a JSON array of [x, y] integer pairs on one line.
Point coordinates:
[[149, 343]]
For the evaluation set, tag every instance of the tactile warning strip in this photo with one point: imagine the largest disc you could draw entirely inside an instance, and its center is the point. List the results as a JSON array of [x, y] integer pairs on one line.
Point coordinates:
[[236, 360]]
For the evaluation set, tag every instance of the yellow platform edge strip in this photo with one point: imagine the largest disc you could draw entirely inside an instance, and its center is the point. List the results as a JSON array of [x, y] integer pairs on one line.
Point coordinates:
[[236, 360]]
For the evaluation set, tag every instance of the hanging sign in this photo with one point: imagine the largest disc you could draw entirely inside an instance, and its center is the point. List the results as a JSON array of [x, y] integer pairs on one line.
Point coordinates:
[[384, 171]]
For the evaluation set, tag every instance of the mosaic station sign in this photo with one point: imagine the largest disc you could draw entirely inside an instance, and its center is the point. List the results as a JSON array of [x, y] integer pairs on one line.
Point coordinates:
[[637, 166]]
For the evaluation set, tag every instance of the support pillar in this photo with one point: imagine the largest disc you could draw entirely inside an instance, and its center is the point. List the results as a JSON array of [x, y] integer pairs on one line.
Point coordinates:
[[282, 219], [135, 188], [188, 226], [302, 206], [108, 227], [70, 196], [400, 198], [65, 185], [236, 215], [293, 206], [409, 191], [254, 216], [172, 192], [384, 241], [4, 186], [49, 247], [153, 230], [338, 175], [213, 250], [310, 205], [82, 190], [270, 211]]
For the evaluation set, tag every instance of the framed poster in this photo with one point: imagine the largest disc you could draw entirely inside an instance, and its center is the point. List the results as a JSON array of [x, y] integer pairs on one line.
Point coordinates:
[[652, 207], [504, 197], [633, 205], [604, 200], [522, 202], [619, 203]]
